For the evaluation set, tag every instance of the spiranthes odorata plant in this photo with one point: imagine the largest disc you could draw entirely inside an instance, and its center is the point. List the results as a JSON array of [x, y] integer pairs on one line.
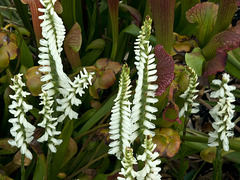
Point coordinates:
[[127, 165], [150, 169], [120, 123], [143, 111], [22, 130], [222, 113], [127, 125], [69, 99], [190, 95], [49, 123], [58, 87]]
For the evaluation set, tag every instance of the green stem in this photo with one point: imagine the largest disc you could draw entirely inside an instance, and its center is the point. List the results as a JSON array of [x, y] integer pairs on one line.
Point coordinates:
[[22, 167], [217, 164], [182, 168], [49, 159], [199, 169]]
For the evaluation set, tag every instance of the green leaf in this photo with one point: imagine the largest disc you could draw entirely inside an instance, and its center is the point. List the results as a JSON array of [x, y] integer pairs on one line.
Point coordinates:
[[91, 57], [23, 13], [25, 54], [195, 60], [41, 168], [134, 12], [204, 14], [85, 117], [98, 115], [68, 13], [226, 11], [113, 6], [236, 53], [185, 6], [225, 41], [163, 18], [96, 44], [62, 149], [233, 66], [134, 30]]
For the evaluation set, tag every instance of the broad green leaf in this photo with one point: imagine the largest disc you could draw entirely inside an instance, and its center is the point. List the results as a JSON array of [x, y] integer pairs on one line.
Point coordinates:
[[204, 14], [195, 60], [5, 177], [236, 53], [58, 158], [71, 151], [233, 66], [85, 117], [40, 172], [91, 57], [69, 13], [134, 31], [96, 44]]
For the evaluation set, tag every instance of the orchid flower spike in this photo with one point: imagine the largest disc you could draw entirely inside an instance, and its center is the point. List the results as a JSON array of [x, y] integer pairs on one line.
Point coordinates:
[[120, 122], [150, 170], [190, 94], [22, 130], [143, 110], [222, 113], [127, 162]]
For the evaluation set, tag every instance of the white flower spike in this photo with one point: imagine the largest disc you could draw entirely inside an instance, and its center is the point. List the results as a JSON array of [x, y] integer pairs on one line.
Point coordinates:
[[127, 162], [120, 123], [190, 94], [49, 123], [69, 99], [222, 113], [150, 170], [22, 130], [143, 111]]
